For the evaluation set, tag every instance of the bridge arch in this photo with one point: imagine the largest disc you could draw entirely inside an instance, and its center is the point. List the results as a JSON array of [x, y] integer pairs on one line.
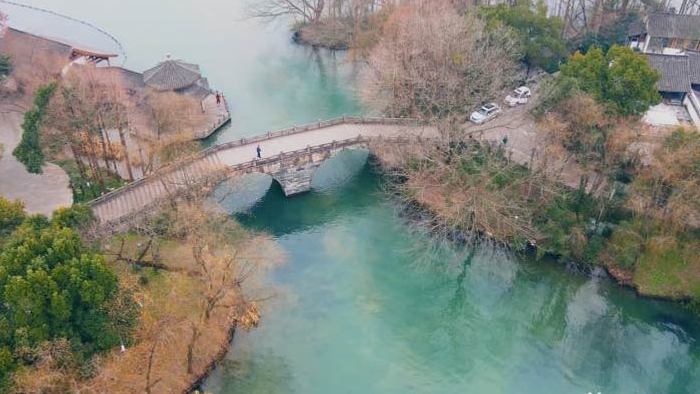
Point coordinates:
[[302, 150], [339, 169]]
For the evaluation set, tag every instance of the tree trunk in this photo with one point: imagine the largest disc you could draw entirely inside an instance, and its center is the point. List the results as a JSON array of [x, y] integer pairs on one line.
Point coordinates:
[[106, 143], [92, 157], [122, 139], [79, 163], [190, 348]]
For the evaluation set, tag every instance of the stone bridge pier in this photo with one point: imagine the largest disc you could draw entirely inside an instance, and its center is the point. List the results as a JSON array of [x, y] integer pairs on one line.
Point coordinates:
[[297, 179], [294, 172]]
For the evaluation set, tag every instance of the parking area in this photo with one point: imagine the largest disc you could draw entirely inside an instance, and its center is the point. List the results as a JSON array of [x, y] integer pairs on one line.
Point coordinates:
[[526, 142]]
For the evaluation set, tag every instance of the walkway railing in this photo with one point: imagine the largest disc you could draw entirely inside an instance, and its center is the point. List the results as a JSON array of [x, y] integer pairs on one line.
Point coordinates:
[[263, 137], [220, 122], [282, 156]]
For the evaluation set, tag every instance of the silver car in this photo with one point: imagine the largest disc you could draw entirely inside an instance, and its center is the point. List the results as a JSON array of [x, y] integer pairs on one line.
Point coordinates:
[[519, 96], [485, 113]]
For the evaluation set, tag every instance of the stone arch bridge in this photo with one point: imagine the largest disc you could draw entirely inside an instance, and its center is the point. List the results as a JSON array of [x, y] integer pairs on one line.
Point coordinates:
[[290, 156]]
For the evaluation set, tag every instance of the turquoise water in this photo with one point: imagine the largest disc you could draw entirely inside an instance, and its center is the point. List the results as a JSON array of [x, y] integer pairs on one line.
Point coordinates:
[[363, 303]]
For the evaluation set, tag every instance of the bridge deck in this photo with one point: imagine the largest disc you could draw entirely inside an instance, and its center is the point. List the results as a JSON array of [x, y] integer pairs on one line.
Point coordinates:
[[140, 194], [341, 132]]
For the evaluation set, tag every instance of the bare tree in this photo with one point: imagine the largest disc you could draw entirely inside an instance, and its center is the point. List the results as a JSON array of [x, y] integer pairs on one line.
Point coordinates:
[[432, 62], [173, 112], [305, 10]]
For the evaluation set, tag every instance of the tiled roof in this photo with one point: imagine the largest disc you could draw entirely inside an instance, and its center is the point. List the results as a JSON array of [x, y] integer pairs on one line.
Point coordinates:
[[674, 72], [199, 89], [694, 67], [171, 75], [674, 26]]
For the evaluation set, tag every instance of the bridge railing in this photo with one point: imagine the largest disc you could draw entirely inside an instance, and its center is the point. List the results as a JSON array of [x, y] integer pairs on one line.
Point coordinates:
[[293, 155], [243, 141], [309, 127], [259, 164]]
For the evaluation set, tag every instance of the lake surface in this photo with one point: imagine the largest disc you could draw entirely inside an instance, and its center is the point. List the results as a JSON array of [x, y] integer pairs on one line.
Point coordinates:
[[363, 303]]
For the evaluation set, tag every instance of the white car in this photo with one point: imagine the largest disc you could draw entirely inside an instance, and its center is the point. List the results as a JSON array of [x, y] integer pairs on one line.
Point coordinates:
[[519, 96], [485, 113]]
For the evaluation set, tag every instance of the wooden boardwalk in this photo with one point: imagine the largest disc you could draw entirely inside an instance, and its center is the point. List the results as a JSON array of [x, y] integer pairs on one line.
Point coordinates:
[[240, 156]]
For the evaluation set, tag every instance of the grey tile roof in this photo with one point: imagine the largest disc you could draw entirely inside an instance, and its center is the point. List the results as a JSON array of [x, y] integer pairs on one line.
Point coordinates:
[[199, 89], [674, 26], [694, 66], [171, 75], [674, 72]]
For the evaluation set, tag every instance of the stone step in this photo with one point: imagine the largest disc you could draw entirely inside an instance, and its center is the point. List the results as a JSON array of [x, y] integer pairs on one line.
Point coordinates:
[[109, 208], [117, 209], [136, 198], [99, 211]]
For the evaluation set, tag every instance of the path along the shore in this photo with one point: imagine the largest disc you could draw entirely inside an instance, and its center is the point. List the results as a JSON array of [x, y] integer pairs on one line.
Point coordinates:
[[40, 193]]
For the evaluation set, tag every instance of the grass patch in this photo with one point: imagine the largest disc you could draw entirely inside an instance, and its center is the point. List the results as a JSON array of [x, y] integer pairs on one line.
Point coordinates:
[[669, 267]]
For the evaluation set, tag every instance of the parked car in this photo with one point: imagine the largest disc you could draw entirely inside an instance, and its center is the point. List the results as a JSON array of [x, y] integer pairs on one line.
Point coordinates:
[[485, 113], [519, 96]]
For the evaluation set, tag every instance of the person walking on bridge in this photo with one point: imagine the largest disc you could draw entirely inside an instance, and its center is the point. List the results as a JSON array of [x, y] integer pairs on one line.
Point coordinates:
[[258, 150]]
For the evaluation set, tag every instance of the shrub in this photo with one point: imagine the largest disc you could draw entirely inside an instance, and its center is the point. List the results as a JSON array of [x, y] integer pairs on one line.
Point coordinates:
[[53, 288], [554, 90], [11, 216], [29, 152], [621, 78], [540, 38], [75, 217]]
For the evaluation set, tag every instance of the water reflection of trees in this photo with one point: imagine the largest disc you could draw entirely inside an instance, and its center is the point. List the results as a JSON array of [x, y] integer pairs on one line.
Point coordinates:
[[584, 330], [256, 372]]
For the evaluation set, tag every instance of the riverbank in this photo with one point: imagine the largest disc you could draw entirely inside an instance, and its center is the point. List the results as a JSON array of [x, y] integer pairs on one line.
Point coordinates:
[[190, 288], [208, 287], [334, 36], [346, 33], [368, 301], [484, 196]]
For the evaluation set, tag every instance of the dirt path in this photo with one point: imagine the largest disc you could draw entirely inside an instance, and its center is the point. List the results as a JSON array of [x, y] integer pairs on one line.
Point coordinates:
[[41, 193]]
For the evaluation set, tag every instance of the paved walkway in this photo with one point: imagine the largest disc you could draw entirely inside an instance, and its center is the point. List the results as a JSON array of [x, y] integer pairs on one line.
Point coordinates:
[[41, 193], [138, 195], [214, 115]]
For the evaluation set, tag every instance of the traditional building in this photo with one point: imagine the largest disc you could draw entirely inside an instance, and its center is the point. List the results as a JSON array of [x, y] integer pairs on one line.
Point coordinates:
[[177, 76], [671, 43], [28, 48], [667, 33]]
